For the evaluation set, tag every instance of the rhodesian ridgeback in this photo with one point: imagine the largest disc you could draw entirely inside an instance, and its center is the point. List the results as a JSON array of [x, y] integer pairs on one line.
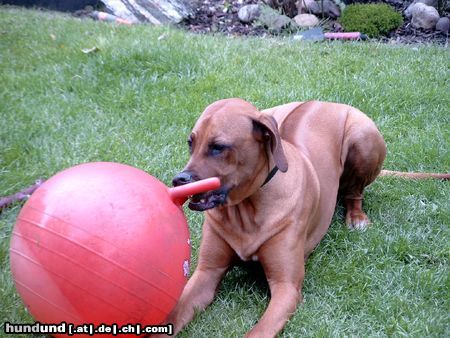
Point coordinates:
[[281, 171]]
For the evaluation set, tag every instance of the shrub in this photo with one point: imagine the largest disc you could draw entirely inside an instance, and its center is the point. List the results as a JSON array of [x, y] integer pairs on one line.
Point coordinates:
[[372, 19]]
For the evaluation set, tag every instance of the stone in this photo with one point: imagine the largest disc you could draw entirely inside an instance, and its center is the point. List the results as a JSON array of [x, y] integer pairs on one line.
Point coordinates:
[[443, 25], [424, 16], [394, 2], [308, 6], [330, 9], [306, 20], [249, 13], [287, 7], [408, 11], [273, 20], [433, 3]]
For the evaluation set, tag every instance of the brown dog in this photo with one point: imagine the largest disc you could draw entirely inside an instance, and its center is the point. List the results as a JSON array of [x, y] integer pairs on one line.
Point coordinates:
[[281, 171]]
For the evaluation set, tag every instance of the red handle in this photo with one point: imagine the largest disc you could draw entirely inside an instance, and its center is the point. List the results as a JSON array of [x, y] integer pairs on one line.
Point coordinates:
[[346, 36], [180, 194]]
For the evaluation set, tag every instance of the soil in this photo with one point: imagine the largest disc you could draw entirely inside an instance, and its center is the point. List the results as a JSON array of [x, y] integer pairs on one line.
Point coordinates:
[[220, 16]]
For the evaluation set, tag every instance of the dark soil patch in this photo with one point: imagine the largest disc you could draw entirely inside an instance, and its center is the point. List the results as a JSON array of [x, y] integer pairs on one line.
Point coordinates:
[[220, 16]]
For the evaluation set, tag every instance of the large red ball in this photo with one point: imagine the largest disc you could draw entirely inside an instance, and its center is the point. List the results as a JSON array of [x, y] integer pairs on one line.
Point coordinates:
[[100, 243]]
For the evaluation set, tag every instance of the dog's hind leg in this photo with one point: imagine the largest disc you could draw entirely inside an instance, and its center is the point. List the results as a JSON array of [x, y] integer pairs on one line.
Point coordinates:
[[366, 151]]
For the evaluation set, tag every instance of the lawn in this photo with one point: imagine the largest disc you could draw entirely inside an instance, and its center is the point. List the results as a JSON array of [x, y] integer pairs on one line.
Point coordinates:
[[134, 100]]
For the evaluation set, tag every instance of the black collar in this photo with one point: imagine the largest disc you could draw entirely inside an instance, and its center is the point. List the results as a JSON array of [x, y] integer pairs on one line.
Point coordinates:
[[270, 176]]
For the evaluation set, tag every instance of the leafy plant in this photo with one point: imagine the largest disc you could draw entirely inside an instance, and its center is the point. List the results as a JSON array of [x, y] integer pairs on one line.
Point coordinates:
[[375, 20]]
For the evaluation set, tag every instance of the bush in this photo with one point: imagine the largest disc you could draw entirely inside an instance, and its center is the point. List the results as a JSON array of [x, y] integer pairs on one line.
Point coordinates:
[[372, 19]]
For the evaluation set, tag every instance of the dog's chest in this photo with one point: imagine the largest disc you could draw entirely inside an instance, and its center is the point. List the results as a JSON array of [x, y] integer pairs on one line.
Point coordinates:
[[244, 244], [243, 230]]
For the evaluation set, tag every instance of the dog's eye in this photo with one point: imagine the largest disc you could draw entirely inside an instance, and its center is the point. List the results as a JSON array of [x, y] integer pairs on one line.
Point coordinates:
[[216, 149]]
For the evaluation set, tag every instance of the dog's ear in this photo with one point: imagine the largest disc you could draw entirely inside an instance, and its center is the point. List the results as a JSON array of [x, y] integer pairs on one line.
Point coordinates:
[[265, 129]]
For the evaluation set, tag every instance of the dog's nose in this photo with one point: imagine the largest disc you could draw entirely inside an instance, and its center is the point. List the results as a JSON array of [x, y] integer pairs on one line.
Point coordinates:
[[182, 178]]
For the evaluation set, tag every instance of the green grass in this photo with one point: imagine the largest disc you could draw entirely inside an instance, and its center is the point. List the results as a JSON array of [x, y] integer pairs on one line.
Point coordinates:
[[135, 100]]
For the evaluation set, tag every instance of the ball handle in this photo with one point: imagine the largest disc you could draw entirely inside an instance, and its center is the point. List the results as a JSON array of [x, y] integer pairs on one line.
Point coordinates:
[[180, 194]]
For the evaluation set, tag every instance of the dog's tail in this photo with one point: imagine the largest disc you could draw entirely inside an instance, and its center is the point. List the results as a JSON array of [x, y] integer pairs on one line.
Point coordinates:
[[415, 176]]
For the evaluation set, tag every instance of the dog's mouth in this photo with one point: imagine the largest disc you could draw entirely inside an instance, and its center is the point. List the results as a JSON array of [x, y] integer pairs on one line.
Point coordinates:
[[208, 200]]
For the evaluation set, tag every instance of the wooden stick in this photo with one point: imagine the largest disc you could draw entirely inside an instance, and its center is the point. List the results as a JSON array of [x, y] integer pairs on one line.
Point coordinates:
[[20, 196]]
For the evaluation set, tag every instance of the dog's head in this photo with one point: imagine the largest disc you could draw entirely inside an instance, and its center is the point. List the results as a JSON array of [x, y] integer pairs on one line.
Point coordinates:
[[231, 140]]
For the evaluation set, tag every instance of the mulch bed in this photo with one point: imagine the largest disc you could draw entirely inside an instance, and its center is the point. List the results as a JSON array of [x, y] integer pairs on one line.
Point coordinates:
[[219, 16]]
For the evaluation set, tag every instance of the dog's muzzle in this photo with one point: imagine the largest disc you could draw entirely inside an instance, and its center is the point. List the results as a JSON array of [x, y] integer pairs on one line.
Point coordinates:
[[203, 201]]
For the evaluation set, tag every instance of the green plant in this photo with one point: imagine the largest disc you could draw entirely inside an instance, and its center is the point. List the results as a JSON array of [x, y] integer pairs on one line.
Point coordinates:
[[375, 20]]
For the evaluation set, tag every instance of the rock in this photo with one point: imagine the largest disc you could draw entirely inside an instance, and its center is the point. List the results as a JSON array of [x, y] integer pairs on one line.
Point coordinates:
[[424, 16], [273, 20], [408, 11], [156, 12], [443, 25], [287, 7], [433, 3], [308, 6], [337, 27], [330, 9], [249, 13], [306, 20], [394, 2]]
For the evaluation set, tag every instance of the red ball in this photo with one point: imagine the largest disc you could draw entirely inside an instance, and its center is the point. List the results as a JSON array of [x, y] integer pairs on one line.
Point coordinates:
[[100, 243]]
